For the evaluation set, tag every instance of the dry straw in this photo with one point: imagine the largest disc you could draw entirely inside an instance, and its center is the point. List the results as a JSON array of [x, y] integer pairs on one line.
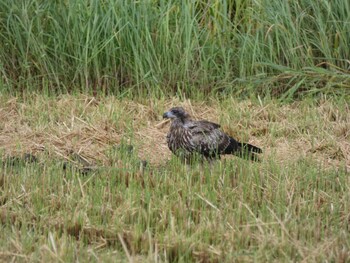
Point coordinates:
[[90, 126]]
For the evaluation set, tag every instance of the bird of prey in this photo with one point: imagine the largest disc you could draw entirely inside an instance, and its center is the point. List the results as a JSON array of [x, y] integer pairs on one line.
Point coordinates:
[[187, 138]]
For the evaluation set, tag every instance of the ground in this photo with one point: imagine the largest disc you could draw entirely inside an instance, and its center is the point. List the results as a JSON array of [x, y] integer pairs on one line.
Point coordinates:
[[90, 126], [85, 178]]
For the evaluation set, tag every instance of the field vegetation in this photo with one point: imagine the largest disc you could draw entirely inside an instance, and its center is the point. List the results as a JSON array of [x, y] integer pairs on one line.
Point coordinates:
[[87, 179], [166, 47], [85, 172]]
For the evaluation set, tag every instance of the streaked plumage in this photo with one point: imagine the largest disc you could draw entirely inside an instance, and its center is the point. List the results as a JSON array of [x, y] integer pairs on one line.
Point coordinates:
[[188, 137]]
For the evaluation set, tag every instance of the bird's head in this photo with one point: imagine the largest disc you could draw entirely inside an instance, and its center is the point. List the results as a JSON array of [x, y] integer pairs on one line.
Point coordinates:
[[176, 113]]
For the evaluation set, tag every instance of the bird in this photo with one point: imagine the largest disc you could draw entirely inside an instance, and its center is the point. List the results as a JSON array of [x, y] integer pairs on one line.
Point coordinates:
[[188, 138]]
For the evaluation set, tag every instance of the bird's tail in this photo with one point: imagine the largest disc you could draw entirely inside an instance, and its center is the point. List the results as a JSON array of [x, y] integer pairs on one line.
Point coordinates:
[[250, 148], [244, 150]]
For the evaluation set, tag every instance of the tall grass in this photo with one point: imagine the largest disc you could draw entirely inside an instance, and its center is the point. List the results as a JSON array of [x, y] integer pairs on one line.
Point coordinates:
[[161, 46]]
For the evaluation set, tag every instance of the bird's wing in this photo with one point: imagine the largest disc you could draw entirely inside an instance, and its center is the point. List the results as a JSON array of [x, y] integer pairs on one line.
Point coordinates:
[[201, 126], [207, 137]]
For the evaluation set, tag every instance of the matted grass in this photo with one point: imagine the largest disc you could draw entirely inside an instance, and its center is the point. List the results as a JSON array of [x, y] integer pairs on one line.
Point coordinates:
[[73, 189]]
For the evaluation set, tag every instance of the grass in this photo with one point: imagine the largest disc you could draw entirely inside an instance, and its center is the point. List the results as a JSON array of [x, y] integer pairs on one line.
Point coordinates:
[[87, 196], [165, 47], [90, 178]]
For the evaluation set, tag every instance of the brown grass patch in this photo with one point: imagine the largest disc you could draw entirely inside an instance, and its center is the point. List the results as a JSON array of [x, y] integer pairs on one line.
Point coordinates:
[[90, 126]]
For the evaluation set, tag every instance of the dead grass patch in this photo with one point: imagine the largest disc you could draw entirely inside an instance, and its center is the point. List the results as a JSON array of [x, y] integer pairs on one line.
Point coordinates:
[[90, 126]]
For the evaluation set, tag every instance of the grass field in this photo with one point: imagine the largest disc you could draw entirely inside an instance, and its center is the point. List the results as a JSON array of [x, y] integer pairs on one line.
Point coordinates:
[[72, 189], [85, 172]]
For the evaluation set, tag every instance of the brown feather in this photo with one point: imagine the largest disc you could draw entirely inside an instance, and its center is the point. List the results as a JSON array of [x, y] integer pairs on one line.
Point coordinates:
[[187, 137]]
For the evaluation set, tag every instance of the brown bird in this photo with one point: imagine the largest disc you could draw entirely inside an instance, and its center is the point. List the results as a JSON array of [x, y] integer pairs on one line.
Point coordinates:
[[188, 137]]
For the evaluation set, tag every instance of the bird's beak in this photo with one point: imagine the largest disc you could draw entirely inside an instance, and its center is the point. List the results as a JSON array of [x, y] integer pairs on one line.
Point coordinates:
[[165, 115], [168, 115]]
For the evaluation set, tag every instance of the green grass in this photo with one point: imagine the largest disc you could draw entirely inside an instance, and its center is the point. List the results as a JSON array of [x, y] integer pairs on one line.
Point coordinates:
[[238, 211], [89, 197], [166, 47], [292, 206]]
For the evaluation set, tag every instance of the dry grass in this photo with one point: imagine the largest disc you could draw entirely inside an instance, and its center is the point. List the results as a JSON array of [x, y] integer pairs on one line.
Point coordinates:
[[292, 206], [90, 126]]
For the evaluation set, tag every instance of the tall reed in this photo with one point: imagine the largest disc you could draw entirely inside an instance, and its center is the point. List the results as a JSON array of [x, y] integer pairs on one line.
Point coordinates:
[[159, 47]]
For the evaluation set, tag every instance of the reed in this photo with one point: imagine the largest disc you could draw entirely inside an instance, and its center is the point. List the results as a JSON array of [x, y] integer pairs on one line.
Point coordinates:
[[166, 47]]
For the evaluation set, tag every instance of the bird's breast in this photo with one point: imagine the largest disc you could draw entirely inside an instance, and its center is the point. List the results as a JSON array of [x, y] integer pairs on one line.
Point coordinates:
[[179, 138]]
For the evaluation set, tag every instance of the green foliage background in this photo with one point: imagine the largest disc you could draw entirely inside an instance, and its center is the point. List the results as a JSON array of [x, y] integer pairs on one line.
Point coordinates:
[[160, 47]]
